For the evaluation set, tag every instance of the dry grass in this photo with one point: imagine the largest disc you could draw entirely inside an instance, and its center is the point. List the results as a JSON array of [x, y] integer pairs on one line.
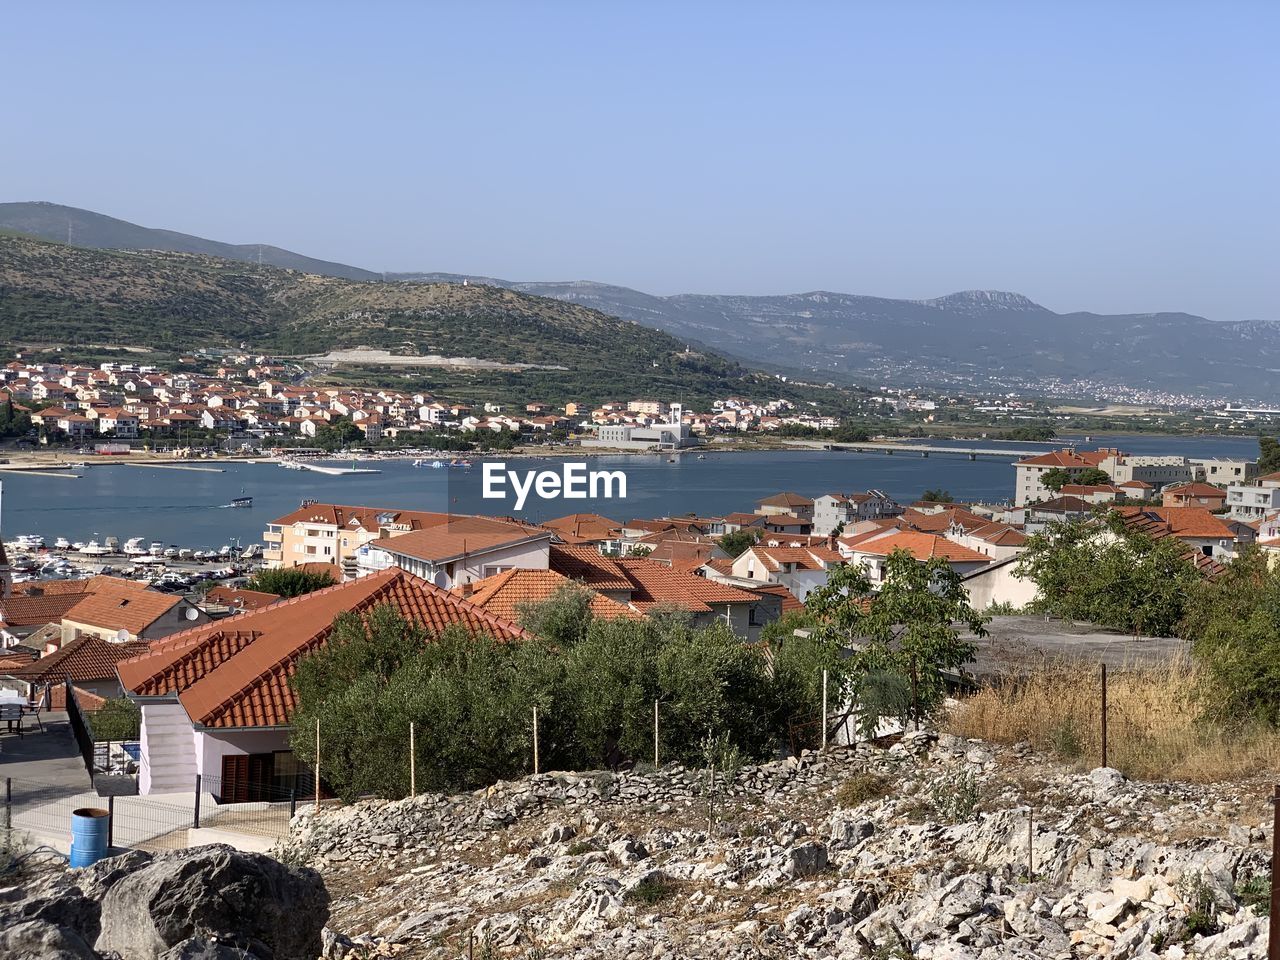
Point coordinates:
[[1154, 726]]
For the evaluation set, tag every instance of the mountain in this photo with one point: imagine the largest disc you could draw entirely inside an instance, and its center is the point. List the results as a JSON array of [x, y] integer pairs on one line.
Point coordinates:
[[54, 294], [977, 339], [52, 221], [983, 339]]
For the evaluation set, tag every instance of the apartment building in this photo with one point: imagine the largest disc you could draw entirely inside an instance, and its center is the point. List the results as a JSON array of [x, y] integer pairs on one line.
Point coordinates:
[[331, 533]]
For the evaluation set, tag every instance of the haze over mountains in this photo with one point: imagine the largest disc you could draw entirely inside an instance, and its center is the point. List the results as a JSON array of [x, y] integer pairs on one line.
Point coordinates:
[[980, 339]]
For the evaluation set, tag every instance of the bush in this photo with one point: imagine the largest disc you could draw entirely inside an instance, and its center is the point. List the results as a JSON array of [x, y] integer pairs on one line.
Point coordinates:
[[651, 892], [956, 800], [861, 788]]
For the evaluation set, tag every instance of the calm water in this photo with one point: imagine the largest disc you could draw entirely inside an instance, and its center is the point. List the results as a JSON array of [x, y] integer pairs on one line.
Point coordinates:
[[187, 507]]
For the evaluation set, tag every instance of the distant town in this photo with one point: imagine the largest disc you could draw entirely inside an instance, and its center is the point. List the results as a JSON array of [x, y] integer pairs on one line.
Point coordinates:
[[243, 401]]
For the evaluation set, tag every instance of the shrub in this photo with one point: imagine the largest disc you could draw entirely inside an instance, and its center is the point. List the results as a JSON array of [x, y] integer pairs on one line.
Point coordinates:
[[956, 800], [651, 892], [861, 788]]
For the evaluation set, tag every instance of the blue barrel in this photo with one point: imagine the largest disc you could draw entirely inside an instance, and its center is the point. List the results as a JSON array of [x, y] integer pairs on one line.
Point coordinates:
[[88, 835]]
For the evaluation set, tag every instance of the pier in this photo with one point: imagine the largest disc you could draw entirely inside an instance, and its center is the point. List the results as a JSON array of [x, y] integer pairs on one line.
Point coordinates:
[[61, 472], [332, 471], [171, 466]]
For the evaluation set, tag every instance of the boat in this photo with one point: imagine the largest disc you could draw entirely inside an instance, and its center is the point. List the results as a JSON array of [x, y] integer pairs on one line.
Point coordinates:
[[437, 464], [671, 459], [186, 553], [62, 543], [78, 546], [702, 456], [112, 544], [29, 541], [156, 549], [465, 464], [133, 547], [224, 550], [170, 553], [94, 549], [251, 552], [80, 465], [242, 501]]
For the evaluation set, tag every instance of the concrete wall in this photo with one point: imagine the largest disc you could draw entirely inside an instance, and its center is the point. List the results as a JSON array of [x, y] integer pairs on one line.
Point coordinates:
[[168, 760], [997, 584]]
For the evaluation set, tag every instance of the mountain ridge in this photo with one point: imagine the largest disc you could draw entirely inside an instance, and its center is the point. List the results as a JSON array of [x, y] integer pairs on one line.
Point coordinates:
[[980, 340]]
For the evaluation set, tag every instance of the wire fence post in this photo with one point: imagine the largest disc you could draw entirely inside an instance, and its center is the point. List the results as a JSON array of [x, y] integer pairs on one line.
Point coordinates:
[[196, 805], [317, 764], [824, 709], [1031, 850], [655, 733], [293, 800], [535, 741], [1104, 715], [8, 803], [111, 820], [1273, 941], [413, 763]]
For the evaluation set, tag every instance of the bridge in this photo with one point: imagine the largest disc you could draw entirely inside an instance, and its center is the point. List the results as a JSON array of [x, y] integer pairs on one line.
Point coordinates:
[[929, 449]]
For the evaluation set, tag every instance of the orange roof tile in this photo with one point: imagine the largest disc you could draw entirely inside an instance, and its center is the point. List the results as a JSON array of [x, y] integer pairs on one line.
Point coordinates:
[[654, 584], [504, 594], [459, 536], [585, 527], [88, 657], [589, 566], [235, 672], [121, 605], [241, 599], [366, 518], [922, 546]]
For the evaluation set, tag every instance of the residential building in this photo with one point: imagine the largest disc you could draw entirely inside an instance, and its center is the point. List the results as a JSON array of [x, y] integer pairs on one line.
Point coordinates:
[[872, 553], [1195, 494], [216, 700], [1223, 471], [799, 569], [332, 533], [832, 510], [506, 595], [786, 504], [1255, 500], [1159, 471], [1027, 486], [460, 551]]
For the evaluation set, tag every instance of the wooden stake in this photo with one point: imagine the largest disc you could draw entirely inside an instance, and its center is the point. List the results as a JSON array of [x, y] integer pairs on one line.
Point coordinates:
[[1273, 941], [1031, 852], [535, 740], [824, 709], [655, 733], [413, 764], [1104, 715], [317, 763]]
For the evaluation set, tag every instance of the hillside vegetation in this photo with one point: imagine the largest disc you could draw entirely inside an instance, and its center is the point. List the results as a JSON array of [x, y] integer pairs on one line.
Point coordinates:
[[52, 293]]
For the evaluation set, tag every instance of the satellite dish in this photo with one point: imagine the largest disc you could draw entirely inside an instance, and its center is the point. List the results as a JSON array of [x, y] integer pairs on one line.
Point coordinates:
[[191, 613], [122, 636]]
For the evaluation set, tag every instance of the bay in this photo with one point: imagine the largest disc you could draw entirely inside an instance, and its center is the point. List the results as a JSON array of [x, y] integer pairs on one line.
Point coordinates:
[[189, 508]]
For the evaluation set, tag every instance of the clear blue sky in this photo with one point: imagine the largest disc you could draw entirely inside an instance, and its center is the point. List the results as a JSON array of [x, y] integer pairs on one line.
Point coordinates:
[[1105, 156]]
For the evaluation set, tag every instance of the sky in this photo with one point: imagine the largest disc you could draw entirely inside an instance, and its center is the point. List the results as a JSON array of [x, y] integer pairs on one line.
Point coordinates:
[[1115, 157]]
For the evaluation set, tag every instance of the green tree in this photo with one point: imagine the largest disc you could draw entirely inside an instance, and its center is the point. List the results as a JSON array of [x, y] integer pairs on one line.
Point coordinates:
[[338, 434], [1268, 455], [117, 719], [1233, 623], [937, 495], [1055, 479], [289, 581], [1098, 570], [563, 619], [1092, 477], [739, 541], [906, 630]]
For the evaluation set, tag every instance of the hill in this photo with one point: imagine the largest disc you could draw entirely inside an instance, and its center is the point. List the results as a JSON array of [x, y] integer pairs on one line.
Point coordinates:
[[84, 228], [978, 338], [53, 293]]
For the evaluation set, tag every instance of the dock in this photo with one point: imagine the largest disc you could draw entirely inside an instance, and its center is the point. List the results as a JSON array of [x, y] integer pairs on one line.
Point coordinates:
[[61, 473], [333, 471], [171, 466]]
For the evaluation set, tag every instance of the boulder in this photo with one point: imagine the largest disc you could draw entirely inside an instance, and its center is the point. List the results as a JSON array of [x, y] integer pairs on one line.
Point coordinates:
[[218, 894], [40, 940]]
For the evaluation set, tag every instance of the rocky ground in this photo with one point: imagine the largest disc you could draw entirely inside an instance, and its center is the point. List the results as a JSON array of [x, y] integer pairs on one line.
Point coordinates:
[[935, 847]]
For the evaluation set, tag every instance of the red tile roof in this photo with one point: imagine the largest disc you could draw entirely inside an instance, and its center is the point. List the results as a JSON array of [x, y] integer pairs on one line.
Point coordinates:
[[1069, 459], [504, 594], [366, 518], [460, 536], [654, 584], [579, 527], [789, 601], [588, 566], [786, 499], [88, 657], [241, 599], [922, 546], [1185, 522], [116, 604], [235, 672]]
